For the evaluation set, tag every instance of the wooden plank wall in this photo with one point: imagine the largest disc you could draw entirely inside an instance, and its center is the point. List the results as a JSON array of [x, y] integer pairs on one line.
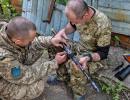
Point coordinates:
[[36, 11], [117, 10]]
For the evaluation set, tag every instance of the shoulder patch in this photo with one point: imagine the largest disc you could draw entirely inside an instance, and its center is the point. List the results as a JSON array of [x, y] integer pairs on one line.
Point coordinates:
[[16, 72]]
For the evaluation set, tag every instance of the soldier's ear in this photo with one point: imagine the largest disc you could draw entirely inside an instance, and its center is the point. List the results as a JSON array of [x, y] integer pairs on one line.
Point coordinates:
[[85, 15], [18, 42]]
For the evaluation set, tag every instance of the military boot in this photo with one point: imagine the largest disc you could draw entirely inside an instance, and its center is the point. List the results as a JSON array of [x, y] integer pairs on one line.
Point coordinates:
[[79, 97], [1, 98], [53, 80]]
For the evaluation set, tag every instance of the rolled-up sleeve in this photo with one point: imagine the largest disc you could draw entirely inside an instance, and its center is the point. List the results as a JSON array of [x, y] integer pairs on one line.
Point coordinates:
[[103, 42]]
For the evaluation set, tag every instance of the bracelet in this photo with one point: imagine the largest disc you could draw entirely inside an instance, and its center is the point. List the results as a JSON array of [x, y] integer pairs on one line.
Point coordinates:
[[90, 57]]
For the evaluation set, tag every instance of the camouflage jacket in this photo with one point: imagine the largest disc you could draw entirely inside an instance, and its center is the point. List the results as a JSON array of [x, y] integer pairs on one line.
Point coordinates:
[[24, 65], [96, 32]]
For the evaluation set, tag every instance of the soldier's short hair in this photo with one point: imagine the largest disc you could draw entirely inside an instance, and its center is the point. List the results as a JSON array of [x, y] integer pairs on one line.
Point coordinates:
[[19, 27], [79, 7]]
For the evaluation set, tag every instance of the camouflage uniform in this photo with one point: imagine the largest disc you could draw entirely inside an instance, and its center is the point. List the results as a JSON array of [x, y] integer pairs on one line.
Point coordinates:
[[23, 71], [96, 32]]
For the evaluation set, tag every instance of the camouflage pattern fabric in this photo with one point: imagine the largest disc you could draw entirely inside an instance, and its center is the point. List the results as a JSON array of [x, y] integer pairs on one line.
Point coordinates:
[[23, 71], [96, 32]]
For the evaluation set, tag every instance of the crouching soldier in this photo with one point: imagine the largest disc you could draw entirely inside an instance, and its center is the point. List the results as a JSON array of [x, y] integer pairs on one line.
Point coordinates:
[[22, 65], [95, 32]]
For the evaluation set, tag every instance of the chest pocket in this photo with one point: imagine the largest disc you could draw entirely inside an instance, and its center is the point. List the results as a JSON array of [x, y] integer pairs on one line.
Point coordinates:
[[28, 57], [88, 34]]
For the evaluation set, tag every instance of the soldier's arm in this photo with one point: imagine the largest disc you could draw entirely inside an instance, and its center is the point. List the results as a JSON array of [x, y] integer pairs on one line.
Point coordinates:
[[15, 72], [41, 42], [103, 45], [69, 28]]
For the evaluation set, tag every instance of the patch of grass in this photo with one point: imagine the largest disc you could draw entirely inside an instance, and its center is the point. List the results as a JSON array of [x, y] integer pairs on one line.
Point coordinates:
[[63, 2], [113, 90]]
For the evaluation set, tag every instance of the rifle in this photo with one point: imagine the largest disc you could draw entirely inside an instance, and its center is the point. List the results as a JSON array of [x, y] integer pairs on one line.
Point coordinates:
[[76, 61]]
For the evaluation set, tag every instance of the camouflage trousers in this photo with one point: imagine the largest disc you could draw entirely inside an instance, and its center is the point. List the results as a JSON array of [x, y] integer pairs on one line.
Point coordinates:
[[10, 91], [75, 78]]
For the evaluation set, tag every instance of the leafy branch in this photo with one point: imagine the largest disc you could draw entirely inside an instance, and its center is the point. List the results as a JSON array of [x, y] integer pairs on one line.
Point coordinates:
[[7, 10], [63, 2]]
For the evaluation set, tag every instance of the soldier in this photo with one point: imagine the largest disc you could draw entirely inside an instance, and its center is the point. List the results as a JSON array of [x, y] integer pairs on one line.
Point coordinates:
[[95, 31], [23, 67]]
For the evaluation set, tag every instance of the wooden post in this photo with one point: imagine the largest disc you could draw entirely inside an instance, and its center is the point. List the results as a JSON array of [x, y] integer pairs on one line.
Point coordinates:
[[50, 11]]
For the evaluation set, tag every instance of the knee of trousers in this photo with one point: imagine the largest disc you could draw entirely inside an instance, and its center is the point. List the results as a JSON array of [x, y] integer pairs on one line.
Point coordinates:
[[23, 92], [35, 90]]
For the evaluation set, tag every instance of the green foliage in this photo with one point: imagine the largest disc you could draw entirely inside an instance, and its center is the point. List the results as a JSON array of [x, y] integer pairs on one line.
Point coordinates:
[[113, 90], [8, 10], [116, 38], [63, 2]]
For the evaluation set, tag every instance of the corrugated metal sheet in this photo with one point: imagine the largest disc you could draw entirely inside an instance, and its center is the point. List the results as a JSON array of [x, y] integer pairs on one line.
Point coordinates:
[[117, 10]]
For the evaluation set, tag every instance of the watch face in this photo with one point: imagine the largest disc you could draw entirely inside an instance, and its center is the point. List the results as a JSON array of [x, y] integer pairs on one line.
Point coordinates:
[[127, 57]]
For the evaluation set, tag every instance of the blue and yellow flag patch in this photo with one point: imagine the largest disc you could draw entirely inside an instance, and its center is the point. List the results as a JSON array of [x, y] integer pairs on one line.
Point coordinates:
[[16, 72]]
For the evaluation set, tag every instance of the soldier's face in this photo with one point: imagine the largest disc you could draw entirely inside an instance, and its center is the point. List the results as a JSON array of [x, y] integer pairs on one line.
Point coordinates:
[[73, 18], [23, 42]]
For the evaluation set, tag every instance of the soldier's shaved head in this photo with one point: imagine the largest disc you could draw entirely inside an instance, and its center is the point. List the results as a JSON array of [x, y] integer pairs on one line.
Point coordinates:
[[19, 27], [79, 7]]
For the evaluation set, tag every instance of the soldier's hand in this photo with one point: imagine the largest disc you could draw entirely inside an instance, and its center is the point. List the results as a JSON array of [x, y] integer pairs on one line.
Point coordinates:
[[83, 61], [59, 38], [62, 34], [61, 57]]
